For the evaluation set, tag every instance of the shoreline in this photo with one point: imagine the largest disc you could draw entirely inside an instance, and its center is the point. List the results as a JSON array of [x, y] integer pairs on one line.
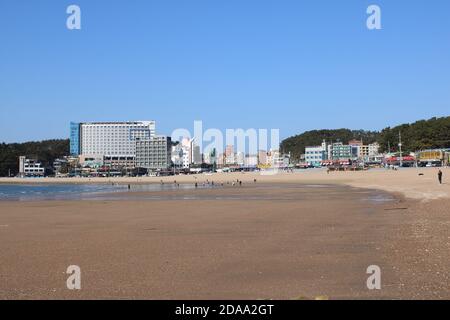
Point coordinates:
[[413, 183]]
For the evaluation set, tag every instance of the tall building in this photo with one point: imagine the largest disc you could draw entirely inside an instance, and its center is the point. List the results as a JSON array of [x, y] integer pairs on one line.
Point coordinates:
[[115, 142], [154, 153], [177, 155], [109, 139], [186, 147], [196, 154], [74, 138]]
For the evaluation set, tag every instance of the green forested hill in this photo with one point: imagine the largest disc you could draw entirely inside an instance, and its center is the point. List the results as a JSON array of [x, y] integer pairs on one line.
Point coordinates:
[[44, 151], [420, 135], [423, 134]]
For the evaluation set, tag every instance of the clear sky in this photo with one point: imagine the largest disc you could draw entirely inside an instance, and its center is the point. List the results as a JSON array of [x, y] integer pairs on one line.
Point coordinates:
[[294, 65]]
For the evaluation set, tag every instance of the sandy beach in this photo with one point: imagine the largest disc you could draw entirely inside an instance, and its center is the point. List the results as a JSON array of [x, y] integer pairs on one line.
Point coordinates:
[[287, 236], [414, 183]]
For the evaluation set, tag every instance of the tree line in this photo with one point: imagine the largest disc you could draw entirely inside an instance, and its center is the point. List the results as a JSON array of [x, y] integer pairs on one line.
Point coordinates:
[[44, 151]]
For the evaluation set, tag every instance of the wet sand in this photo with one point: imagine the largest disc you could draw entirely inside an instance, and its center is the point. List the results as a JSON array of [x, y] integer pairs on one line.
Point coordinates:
[[228, 243]]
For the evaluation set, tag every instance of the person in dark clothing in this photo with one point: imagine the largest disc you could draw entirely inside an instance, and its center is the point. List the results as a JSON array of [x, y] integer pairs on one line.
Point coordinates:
[[440, 176]]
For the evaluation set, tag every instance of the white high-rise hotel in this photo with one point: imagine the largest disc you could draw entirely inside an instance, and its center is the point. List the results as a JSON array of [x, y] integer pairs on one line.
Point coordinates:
[[109, 139]]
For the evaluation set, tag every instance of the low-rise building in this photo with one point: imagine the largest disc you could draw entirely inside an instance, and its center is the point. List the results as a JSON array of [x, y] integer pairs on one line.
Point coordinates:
[[341, 152], [91, 161], [432, 157], [314, 155], [30, 168]]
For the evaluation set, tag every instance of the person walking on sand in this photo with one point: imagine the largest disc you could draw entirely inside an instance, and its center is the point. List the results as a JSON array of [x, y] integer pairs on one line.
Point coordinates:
[[440, 176]]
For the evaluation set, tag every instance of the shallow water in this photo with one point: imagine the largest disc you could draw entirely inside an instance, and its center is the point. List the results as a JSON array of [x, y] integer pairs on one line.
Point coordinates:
[[28, 192], [170, 191]]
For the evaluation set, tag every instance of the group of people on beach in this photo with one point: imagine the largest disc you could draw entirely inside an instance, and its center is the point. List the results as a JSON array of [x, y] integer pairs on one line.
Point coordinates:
[[209, 183]]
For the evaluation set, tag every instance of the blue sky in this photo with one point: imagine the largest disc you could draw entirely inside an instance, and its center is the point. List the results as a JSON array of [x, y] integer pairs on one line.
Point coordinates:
[[295, 65]]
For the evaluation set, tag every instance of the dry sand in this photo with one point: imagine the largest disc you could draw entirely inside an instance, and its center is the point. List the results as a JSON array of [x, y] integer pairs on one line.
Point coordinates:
[[304, 241]]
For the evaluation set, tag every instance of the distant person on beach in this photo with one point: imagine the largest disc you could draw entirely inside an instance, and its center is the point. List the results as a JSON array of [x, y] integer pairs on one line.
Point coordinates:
[[440, 176]]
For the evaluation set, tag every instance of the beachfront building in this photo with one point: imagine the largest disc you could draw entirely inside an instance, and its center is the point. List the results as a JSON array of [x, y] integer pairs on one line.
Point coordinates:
[[276, 159], [114, 142], [60, 166], [186, 148], [91, 161], [340, 151], [65, 165], [30, 168], [197, 158], [360, 151], [357, 149], [154, 153], [113, 139], [314, 155], [177, 155], [433, 157]]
